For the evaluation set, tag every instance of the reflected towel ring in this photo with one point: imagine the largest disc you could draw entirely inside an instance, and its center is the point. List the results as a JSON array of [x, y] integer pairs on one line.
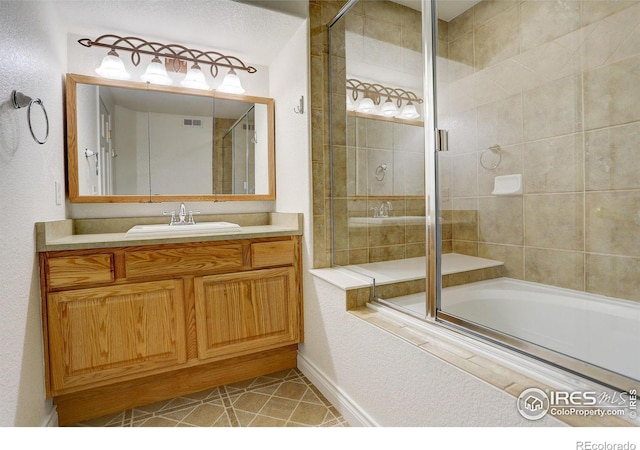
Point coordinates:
[[381, 171], [495, 149], [20, 100]]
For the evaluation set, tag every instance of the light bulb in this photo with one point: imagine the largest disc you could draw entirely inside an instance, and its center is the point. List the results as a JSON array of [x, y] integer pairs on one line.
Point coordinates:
[[156, 73], [366, 105], [113, 67], [389, 108], [231, 83], [195, 78], [409, 112]]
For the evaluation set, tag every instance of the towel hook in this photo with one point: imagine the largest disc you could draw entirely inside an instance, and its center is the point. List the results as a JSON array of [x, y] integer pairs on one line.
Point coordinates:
[[300, 109], [19, 101]]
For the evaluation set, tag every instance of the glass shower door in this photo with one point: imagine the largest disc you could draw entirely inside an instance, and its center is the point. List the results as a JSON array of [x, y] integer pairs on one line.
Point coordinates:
[[538, 191]]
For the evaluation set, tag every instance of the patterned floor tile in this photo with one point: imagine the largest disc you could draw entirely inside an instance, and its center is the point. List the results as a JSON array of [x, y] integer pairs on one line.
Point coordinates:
[[281, 399]]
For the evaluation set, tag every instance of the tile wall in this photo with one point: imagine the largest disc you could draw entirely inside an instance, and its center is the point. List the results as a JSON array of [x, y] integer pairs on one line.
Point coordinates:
[[556, 85]]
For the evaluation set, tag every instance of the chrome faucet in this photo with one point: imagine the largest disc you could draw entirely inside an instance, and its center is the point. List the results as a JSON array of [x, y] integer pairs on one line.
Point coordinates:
[[183, 213], [182, 216], [384, 208]]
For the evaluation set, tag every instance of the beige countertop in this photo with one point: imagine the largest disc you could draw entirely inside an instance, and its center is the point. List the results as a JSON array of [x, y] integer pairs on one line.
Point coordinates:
[[78, 234]]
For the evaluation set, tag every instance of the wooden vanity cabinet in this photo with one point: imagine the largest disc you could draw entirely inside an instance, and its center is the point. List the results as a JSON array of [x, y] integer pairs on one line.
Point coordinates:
[[128, 326]]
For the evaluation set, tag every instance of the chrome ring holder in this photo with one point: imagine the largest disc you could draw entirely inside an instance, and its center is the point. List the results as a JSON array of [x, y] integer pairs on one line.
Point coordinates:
[[381, 171], [19, 101], [495, 149]]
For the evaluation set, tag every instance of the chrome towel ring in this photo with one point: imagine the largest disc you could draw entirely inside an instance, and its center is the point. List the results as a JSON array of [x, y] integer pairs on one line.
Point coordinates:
[[20, 100], [381, 171], [495, 149]]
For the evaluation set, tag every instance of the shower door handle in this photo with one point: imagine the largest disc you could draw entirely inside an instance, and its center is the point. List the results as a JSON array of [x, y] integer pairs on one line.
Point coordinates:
[[442, 140]]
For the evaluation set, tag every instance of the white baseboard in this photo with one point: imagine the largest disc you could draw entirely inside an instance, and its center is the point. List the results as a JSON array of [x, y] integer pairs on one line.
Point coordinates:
[[351, 411], [52, 419]]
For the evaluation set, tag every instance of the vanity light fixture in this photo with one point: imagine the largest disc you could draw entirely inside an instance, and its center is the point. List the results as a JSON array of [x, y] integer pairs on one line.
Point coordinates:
[[373, 93], [113, 67], [156, 73]]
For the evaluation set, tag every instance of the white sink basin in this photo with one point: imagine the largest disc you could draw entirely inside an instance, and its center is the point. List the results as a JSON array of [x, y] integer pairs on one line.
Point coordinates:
[[383, 221], [182, 230]]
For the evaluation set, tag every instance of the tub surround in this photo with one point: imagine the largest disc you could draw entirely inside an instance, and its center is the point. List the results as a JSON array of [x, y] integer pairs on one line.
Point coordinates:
[[128, 322], [506, 371]]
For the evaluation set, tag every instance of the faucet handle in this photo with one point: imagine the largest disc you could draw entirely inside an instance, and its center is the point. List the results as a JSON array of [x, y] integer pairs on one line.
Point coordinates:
[[173, 216], [191, 213]]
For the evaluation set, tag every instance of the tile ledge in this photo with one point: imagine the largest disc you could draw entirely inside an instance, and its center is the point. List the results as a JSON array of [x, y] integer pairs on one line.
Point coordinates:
[[498, 367]]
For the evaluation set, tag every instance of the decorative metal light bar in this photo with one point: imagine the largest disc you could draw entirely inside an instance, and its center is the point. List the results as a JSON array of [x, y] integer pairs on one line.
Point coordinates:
[[176, 52], [391, 99]]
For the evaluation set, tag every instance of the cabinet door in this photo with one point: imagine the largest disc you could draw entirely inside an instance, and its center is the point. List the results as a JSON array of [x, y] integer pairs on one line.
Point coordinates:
[[104, 333], [241, 313]]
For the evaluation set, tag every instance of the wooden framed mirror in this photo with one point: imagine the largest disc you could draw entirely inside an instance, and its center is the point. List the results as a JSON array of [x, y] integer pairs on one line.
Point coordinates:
[[131, 142]]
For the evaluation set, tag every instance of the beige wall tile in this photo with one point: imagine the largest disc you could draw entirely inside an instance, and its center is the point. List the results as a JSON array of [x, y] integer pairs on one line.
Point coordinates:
[[466, 247], [595, 10], [612, 94], [554, 221], [488, 9], [464, 225], [460, 57], [500, 220], [443, 30], [462, 130], [543, 21], [386, 253], [512, 256], [613, 222], [465, 183], [500, 123], [612, 158], [553, 109], [498, 38], [460, 25], [613, 276], [554, 165], [554, 267]]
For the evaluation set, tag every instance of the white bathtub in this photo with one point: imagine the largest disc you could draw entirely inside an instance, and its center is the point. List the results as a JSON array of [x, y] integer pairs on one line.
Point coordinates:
[[602, 331]]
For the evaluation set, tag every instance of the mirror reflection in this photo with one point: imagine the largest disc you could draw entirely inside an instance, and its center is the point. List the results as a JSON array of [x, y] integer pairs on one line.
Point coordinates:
[[135, 141]]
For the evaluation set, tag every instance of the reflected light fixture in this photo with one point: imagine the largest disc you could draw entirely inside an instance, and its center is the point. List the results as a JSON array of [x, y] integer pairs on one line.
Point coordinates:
[[113, 67], [231, 83], [156, 73], [195, 78], [372, 95], [350, 105]]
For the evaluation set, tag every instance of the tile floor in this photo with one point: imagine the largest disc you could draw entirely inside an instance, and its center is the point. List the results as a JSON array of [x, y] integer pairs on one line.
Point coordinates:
[[281, 399]]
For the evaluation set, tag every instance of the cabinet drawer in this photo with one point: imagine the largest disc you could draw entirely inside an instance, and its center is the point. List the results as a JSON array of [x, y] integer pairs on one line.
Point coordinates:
[[67, 271], [279, 253], [191, 258]]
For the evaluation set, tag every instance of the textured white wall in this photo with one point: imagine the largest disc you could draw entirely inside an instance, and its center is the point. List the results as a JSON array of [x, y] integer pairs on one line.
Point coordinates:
[[393, 382], [34, 57], [289, 80]]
